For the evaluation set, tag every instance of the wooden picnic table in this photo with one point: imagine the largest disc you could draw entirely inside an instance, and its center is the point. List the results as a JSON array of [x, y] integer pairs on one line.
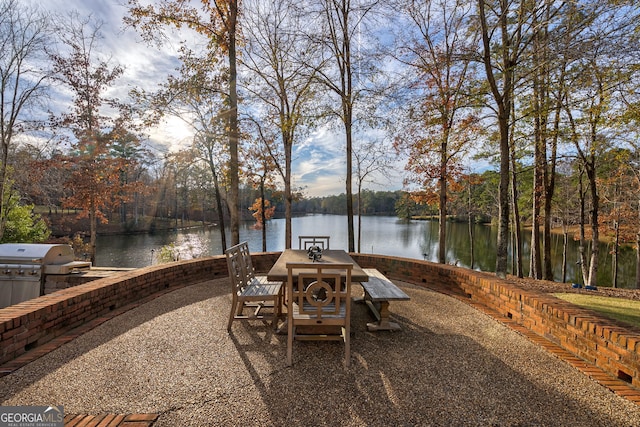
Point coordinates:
[[278, 272], [378, 292]]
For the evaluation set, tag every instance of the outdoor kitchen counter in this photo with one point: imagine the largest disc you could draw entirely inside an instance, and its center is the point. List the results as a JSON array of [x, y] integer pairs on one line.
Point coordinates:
[[24, 267]]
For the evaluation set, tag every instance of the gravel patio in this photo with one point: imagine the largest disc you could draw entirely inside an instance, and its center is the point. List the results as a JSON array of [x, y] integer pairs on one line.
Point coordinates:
[[451, 365]]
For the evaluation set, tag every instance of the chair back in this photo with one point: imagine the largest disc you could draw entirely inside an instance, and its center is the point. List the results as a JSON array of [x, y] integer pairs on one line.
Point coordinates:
[[305, 242], [240, 267], [320, 292]]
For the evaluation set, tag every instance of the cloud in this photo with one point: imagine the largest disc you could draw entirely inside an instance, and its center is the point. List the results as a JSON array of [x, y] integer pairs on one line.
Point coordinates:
[[319, 162], [171, 135]]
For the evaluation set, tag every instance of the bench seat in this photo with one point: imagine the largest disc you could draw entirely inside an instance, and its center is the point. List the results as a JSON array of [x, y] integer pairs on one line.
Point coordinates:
[[378, 292]]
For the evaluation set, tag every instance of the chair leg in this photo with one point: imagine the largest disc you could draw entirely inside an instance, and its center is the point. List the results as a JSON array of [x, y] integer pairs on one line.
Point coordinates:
[[276, 312], [230, 320], [290, 342], [347, 345], [239, 307], [234, 303]]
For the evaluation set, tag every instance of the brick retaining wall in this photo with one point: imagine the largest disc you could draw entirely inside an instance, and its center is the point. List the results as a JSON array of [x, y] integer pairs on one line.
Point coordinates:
[[25, 326], [610, 346]]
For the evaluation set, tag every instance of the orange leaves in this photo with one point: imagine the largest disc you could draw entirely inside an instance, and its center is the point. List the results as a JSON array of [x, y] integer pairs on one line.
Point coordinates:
[[257, 211], [619, 188], [426, 197], [94, 183], [96, 168]]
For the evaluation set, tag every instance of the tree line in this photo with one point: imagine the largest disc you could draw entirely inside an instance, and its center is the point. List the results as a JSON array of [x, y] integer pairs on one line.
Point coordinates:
[[545, 94]]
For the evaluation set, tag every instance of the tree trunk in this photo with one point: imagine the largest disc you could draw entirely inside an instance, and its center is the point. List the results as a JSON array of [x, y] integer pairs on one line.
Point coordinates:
[[221, 221], [638, 255], [503, 201], [595, 234], [539, 164], [517, 229], [359, 216], [343, 56], [503, 101], [472, 260], [638, 261], [234, 172], [517, 232], [93, 226], [614, 260], [349, 190], [3, 182], [216, 186], [543, 167], [535, 264], [550, 188], [582, 249], [203, 207], [442, 228], [263, 217], [288, 197], [565, 243]]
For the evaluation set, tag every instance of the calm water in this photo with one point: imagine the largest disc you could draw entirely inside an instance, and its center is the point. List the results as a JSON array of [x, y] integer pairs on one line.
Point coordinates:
[[381, 235]]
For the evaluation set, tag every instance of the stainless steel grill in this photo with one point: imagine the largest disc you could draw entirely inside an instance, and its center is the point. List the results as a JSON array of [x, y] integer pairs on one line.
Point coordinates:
[[23, 267]]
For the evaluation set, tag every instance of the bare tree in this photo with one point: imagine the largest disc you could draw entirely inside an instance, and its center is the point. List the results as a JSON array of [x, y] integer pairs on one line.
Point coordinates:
[[593, 109], [340, 22], [217, 20], [208, 143], [506, 28], [442, 123], [24, 36], [371, 158], [196, 96], [282, 60]]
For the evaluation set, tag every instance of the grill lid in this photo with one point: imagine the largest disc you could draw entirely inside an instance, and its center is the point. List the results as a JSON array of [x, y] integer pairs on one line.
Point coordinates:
[[35, 253]]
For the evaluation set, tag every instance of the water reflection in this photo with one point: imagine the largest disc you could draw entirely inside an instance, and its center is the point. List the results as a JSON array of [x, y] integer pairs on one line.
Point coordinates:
[[381, 235]]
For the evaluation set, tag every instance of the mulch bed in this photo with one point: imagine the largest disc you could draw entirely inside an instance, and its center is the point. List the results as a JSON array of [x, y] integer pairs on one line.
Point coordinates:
[[556, 287]]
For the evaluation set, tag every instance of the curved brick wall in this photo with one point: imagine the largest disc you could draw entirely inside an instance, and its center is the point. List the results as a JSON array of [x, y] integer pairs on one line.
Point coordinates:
[[612, 347], [28, 325]]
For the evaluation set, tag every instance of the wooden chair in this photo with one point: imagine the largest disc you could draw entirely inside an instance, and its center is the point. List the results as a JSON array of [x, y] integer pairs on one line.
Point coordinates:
[[319, 303], [249, 290], [304, 242]]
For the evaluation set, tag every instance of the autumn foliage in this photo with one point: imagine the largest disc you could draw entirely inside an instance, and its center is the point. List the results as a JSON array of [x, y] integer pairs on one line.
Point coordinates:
[[257, 212], [96, 171]]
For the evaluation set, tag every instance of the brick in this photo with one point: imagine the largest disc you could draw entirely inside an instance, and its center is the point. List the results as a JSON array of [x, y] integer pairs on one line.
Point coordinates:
[[11, 333], [141, 417], [632, 344]]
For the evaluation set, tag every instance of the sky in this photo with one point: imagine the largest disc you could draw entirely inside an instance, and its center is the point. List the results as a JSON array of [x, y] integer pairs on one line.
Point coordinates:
[[319, 162]]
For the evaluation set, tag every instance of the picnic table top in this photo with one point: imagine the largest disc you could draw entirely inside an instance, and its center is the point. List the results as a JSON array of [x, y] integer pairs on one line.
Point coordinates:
[[278, 272]]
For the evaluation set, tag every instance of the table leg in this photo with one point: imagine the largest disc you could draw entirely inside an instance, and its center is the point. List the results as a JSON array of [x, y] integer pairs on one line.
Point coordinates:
[[382, 313]]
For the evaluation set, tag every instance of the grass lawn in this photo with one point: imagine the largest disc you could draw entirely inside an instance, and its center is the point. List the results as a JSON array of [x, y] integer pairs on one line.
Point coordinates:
[[624, 310]]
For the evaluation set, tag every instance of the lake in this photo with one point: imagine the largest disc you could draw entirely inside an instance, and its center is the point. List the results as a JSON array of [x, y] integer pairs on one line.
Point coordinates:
[[381, 235]]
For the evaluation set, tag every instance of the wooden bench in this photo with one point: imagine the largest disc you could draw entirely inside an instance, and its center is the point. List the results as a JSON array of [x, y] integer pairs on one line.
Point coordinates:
[[378, 292]]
